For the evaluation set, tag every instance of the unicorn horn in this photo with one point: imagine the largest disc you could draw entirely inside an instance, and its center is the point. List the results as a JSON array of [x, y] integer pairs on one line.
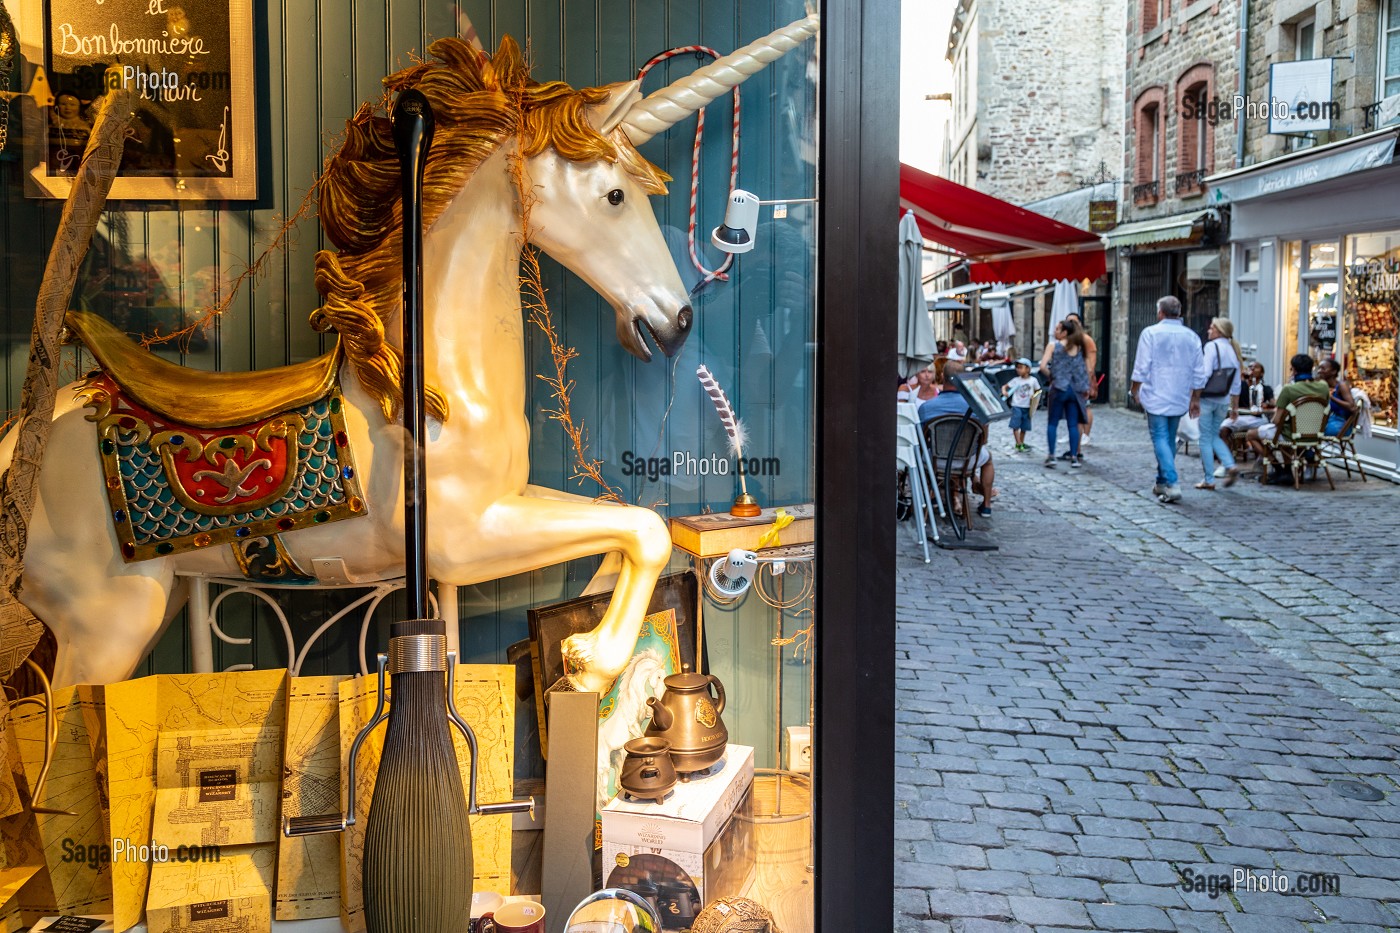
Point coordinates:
[[662, 110]]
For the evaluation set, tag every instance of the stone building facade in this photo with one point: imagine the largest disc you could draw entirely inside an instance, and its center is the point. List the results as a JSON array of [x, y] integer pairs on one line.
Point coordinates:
[[1037, 102], [1314, 216], [1182, 64], [1347, 32]]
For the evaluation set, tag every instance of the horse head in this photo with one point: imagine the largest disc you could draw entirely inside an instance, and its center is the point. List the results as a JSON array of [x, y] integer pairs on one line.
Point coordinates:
[[594, 217], [593, 214]]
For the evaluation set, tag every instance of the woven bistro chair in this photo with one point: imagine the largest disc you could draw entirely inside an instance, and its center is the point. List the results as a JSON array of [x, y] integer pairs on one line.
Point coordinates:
[[1307, 418], [1342, 447], [939, 435]]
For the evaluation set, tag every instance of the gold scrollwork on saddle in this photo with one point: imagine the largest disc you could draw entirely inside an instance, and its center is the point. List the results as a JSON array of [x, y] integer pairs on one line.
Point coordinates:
[[237, 468]]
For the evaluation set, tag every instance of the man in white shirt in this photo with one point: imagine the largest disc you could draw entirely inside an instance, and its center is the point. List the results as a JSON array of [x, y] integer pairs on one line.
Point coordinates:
[[1168, 375], [957, 353]]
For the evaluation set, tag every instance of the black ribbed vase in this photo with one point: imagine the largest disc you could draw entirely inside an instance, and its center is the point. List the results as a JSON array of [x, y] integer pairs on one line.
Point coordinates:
[[418, 865]]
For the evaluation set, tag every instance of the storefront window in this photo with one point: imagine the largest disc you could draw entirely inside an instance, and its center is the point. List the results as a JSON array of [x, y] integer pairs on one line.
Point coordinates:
[[1322, 255], [1292, 259], [1372, 311], [1321, 300], [699, 411]]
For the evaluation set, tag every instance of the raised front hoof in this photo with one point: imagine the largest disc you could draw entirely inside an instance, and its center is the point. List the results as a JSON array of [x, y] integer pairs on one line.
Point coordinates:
[[582, 668]]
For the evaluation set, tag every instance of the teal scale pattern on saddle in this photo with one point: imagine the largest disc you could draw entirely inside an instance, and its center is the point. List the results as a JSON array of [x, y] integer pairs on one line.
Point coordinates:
[[319, 485], [143, 460]]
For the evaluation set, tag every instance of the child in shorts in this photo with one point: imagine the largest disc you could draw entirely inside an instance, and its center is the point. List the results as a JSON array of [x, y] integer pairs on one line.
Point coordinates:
[[1020, 391]]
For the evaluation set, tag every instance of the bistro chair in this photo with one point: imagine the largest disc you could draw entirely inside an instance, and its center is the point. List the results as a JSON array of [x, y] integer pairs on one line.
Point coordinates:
[[907, 459], [939, 434], [1342, 447], [1301, 447]]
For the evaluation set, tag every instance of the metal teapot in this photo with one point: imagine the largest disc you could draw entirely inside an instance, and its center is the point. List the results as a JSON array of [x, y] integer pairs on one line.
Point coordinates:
[[688, 718]]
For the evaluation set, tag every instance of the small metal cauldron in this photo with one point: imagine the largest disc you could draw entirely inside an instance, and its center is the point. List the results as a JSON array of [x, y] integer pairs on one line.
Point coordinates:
[[647, 772]]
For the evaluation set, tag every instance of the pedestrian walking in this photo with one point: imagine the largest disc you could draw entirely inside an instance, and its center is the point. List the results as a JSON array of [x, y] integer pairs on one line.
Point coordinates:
[[1168, 375], [1220, 398], [1019, 392], [1091, 362], [1064, 363]]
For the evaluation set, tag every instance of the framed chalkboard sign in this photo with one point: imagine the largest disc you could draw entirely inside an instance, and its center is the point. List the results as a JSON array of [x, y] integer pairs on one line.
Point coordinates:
[[189, 67]]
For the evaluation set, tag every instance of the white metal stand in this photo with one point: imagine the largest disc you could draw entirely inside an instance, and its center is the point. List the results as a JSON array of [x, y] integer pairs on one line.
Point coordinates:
[[204, 620]]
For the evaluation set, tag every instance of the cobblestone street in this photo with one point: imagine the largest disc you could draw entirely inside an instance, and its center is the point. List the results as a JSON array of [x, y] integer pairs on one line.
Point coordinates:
[[1128, 694]]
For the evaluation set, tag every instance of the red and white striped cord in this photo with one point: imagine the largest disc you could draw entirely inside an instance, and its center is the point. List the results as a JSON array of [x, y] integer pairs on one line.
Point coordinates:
[[722, 272]]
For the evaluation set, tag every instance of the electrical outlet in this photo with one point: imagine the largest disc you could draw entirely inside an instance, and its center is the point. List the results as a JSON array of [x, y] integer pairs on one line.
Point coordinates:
[[799, 749]]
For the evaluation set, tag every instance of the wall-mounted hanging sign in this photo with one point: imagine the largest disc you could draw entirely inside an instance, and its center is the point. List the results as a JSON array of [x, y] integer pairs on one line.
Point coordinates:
[[189, 67]]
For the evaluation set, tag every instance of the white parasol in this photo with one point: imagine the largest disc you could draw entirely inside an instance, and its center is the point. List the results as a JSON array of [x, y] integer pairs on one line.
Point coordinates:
[[1065, 300], [917, 346]]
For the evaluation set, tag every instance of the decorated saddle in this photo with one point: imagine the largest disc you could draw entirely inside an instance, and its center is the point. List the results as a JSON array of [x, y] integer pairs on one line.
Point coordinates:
[[193, 459]]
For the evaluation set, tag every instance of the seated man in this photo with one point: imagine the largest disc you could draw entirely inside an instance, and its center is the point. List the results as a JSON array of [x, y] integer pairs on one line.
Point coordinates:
[[1303, 384], [951, 402], [1256, 403]]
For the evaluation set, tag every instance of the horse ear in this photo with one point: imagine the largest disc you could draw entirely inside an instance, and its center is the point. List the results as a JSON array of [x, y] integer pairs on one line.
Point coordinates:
[[605, 116]]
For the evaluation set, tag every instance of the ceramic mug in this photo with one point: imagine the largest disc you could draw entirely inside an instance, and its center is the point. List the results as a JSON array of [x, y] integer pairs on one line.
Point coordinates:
[[484, 904], [516, 917]]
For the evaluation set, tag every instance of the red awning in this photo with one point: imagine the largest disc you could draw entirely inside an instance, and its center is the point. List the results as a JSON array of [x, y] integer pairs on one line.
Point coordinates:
[[1005, 243]]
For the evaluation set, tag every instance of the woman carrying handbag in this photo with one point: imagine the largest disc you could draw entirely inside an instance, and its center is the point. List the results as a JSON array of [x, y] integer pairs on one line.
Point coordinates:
[[1219, 399], [1063, 362]]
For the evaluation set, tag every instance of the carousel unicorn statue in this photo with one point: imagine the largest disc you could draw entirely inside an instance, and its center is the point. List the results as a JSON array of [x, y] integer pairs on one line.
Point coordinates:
[[153, 470]]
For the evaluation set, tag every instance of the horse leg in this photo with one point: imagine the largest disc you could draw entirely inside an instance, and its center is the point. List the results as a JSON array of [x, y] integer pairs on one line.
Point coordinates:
[[605, 577], [104, 626], [522, 533]]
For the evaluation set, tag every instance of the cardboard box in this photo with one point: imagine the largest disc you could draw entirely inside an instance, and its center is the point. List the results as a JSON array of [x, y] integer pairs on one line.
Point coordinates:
[[695, 846]]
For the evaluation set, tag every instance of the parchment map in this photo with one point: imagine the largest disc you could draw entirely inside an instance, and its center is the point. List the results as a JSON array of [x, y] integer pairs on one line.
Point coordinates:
[[138, 711], [481, 692], [218, 787], [10, 803], [242, 877], [79, 887], [23, 881], [308, 867]]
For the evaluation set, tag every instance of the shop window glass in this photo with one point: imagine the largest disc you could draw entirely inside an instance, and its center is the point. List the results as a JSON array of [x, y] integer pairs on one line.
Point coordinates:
[[1292, 259], [654, 436], [1372, 312], [1251, 260], [1322, 256], [1321, 301], [1390, 50]]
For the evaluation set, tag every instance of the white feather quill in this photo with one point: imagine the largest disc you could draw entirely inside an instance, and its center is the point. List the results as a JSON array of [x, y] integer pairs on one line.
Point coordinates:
[[738, 434]]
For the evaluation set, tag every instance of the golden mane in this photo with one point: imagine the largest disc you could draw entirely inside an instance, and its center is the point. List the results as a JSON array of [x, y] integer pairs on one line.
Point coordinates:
[[479, 102]]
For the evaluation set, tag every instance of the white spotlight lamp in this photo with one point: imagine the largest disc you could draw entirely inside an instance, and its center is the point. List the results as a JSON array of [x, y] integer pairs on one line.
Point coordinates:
[[736, 234], [733, 575]]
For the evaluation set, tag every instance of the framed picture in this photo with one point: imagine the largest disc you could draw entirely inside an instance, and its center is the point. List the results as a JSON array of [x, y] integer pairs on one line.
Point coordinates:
[[188, 65], [986, 402], [550, 625]]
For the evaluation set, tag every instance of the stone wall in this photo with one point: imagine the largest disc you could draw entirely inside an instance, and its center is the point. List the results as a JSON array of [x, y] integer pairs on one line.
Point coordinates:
[[1343, 27], [1042, 90], [1190, 36]]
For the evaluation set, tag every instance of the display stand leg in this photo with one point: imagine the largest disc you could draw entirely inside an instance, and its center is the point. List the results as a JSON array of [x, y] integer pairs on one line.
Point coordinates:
[[571, 781], [201, 631], [447, 611], [778, 701]]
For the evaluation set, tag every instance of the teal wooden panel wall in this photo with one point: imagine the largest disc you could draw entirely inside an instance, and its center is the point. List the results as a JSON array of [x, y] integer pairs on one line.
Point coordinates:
[[317, 59]]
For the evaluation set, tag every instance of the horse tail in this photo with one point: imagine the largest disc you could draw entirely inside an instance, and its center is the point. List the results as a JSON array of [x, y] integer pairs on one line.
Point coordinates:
[[377, 363]]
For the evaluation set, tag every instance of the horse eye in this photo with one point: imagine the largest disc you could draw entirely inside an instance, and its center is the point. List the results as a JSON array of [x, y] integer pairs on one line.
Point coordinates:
[[615, 196]]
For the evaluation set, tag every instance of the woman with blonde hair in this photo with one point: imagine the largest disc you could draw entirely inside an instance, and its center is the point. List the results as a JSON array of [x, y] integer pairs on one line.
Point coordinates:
[[1219, 399]]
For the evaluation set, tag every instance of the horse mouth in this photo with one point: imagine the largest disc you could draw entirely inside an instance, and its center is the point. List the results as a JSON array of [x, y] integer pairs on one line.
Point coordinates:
[[634, 339], [634, 329]]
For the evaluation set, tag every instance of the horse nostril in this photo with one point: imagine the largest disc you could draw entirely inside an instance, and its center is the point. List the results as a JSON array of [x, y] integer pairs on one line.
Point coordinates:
[[683, 318]]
